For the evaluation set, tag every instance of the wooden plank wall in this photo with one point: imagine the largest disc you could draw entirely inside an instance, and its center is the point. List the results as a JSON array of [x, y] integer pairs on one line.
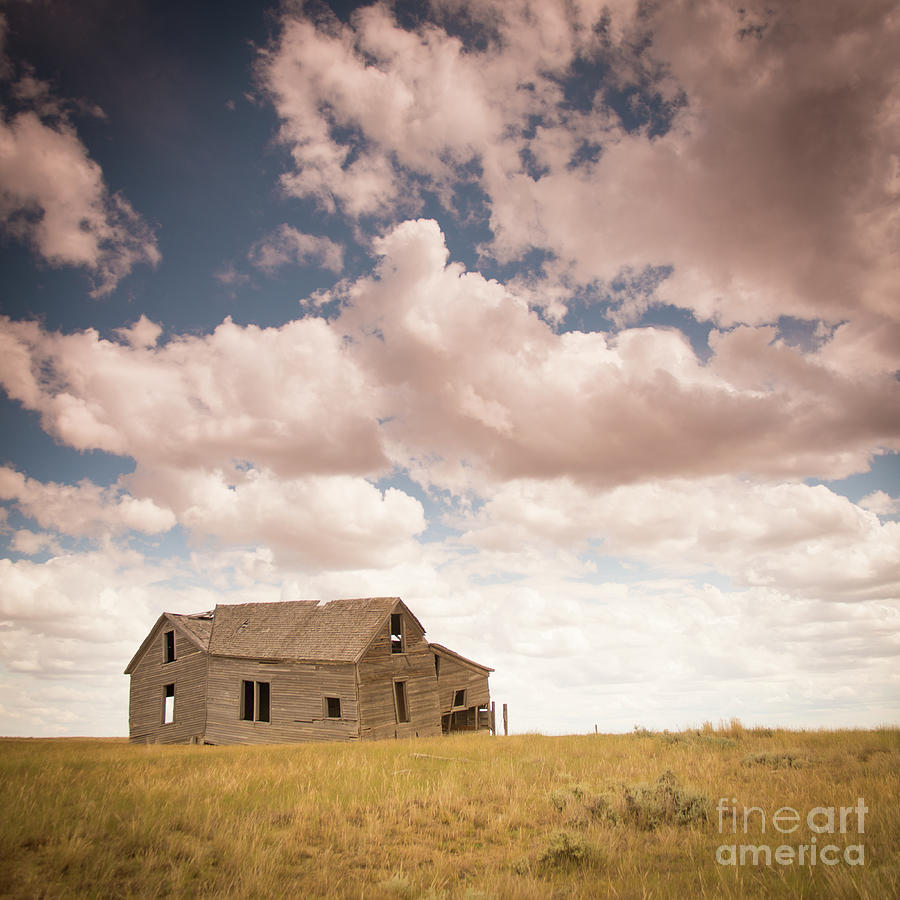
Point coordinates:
[[148, 679], [378, 668], [297, 697], [456, 676]]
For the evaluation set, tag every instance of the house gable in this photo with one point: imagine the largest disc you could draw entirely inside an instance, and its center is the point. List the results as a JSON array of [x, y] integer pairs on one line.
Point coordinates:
[[396, 606], [167, 690], [195, 629], [397, 690]]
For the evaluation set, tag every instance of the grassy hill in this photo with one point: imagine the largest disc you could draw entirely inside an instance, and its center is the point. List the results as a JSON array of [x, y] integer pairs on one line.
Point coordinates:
[[472, 816]]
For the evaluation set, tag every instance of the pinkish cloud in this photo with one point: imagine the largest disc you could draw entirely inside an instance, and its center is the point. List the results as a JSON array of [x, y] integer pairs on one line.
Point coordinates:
[[480, 388], [452, 375], [82, 509], [287, 245], [52, 195], [314, 521], [291, 399], [772, 192]]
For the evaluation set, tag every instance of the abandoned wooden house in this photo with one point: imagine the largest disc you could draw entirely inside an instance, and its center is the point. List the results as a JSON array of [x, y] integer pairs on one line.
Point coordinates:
[[300, 671]]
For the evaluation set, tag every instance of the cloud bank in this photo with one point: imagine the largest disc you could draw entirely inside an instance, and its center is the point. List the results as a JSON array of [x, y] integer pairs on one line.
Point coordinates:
[[626, 517], [753, 150]]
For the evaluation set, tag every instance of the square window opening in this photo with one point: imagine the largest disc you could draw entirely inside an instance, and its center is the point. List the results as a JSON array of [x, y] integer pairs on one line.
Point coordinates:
[[459, 699]]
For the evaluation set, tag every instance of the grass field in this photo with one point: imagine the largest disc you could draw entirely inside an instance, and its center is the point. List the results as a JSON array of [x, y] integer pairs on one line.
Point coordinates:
[[469, 816]]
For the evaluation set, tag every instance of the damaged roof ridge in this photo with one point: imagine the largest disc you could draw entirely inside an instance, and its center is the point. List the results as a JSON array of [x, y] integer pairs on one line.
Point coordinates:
[[338, 630]]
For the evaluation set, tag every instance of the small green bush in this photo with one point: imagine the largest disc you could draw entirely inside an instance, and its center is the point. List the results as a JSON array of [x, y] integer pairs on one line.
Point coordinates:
[[664, 803], [560, 798], [714, 740], [565, 849], [774, 760], [646, 806], [867, 753]]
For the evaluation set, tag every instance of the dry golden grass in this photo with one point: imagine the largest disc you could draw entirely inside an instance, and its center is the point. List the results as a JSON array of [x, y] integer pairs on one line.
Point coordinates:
[[469, 816]]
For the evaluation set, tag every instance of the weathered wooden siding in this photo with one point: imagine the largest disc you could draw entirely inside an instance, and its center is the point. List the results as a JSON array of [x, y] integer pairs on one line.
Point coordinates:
[[377, 671], [457, 676], [148, 680], [297, 698]]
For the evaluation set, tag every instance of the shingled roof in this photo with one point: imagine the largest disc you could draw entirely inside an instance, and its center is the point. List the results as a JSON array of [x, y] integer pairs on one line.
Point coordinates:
[[198, 626], [339, 631]]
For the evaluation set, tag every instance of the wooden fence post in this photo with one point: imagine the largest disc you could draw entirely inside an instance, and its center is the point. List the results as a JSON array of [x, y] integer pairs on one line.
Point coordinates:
[[505, 722], [493, 718]]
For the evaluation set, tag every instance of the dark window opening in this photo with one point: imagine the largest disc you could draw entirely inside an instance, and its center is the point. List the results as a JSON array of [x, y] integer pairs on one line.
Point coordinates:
[[437, 666], [247, 694], [168, 704], [169, 655], [262, 701], [255, 701], [333, 707], [459, 698], [402, 707], [396, 633]]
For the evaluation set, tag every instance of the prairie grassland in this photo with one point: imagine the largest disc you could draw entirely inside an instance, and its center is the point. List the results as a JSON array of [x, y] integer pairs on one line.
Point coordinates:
[[467, 816]]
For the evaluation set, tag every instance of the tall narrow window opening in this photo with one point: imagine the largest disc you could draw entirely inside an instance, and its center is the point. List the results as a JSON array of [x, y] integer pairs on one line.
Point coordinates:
[[397, 637], [168, 704], [248, 693], [333, 707], [400, 701], [169, 646], [262, 701], [437, 666]]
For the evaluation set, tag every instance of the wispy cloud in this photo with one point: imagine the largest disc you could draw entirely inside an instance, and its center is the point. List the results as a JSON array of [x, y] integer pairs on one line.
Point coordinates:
[[288, 246]]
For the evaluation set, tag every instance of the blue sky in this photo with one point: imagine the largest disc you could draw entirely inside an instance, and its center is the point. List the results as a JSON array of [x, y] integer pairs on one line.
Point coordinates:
[[576, 326]]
